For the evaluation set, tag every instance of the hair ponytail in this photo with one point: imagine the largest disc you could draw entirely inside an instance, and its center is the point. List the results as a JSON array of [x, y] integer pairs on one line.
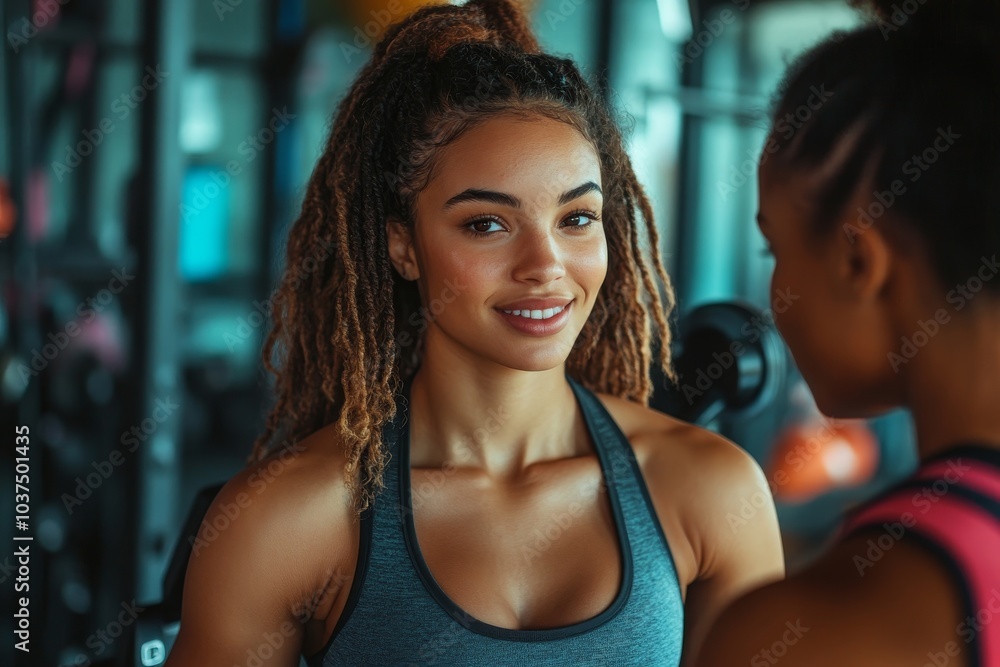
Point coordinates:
[[509, 22], [433, 29]]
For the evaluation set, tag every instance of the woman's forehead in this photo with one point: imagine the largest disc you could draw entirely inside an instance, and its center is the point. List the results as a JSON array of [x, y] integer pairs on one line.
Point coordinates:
[[534, 160]]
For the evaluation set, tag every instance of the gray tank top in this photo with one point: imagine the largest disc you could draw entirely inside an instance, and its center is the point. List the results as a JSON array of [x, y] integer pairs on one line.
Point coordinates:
[[396, 613]]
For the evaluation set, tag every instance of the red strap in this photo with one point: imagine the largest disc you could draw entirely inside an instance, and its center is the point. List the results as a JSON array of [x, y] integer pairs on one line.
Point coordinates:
[[966, 531], [974, 475]]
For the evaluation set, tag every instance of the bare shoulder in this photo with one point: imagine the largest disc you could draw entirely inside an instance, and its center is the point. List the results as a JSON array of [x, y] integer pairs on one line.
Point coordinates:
[[274, 553], [847, 608], [297, 513], [672, 451]]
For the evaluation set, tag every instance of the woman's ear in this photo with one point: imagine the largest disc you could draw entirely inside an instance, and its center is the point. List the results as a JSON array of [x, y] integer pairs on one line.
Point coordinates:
[[401, 250], [866, 258]]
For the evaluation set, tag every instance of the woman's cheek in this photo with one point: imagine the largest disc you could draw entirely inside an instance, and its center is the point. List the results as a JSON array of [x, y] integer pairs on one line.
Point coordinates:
[[593, 263]]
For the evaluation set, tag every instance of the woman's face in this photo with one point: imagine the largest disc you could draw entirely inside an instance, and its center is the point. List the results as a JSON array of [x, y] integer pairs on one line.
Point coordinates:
[[508, 248], [826, 303]]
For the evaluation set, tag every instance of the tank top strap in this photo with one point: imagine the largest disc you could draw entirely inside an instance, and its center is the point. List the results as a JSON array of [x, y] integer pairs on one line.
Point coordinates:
[[613, 449], [969, 467], [622, 470], [951, 505]]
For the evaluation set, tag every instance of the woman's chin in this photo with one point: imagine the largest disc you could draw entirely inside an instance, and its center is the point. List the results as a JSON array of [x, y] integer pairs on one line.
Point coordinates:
[[539, 361]]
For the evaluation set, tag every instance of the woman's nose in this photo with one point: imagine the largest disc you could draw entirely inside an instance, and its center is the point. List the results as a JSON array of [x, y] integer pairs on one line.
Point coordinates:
[[539, 258]]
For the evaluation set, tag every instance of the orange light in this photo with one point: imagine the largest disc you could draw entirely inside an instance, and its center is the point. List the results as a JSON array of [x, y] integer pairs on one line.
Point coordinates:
[[374, 16], [8, 213], [815, 457]]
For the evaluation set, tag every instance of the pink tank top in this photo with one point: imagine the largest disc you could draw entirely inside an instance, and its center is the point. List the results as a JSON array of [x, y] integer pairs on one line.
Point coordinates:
[[951, 505]]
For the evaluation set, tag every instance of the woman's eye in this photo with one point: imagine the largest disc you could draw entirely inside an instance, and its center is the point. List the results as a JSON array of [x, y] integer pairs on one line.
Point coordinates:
[[484, 226], [581, 219]]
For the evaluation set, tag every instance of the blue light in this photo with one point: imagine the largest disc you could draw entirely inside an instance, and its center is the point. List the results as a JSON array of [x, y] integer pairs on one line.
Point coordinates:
[[204, 222]]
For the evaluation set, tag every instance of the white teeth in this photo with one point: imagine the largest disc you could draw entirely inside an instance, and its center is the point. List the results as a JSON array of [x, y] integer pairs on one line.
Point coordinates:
[[537, 314]]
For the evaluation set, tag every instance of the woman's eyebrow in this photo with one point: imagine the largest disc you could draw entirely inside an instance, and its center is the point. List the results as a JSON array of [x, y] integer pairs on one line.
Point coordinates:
[[579, 191], [504, 199], [491, 196]]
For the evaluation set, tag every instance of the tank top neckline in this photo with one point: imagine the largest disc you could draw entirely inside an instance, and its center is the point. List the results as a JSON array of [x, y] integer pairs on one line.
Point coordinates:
[[454, 610]]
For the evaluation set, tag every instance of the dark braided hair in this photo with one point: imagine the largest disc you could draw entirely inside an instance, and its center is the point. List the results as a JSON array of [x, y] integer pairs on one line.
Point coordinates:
[[923, 71], [346, 333]]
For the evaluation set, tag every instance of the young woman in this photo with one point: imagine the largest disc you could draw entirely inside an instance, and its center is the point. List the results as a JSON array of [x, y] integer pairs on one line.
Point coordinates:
[[466, 373], [882, 213]]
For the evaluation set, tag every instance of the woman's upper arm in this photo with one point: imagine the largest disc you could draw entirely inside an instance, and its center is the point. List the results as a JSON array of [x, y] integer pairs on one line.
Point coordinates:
[[733, 528], [253, 569], [713, 499]]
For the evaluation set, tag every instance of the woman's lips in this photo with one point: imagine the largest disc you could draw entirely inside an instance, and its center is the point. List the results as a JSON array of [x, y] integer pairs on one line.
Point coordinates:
[[537, 324]]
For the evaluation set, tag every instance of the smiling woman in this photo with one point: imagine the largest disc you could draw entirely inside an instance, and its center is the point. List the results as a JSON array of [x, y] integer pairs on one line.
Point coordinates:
[[477, 478], [535, 257]]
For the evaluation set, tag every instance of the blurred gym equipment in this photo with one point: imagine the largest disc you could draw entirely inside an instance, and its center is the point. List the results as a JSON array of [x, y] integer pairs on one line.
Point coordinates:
[[730, 362]]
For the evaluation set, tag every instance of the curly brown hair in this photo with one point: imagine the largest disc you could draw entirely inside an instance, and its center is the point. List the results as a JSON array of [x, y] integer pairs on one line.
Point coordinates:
[[351, 327]]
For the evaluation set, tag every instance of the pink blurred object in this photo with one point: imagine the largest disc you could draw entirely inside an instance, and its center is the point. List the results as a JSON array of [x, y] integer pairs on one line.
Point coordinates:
[[38, 204], [80, 69]]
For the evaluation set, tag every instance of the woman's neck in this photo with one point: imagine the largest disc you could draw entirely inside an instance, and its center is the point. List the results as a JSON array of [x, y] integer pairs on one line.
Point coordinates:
[[953, 387], [489, 417]]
